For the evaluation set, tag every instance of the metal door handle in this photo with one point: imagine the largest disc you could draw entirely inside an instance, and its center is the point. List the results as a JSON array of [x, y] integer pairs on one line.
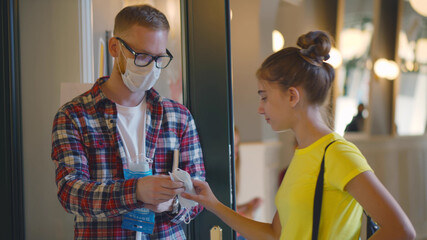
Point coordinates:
[[216, 233]]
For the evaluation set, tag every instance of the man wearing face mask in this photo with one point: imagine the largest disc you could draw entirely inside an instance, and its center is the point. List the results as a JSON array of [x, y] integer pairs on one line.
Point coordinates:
[[96, 134]]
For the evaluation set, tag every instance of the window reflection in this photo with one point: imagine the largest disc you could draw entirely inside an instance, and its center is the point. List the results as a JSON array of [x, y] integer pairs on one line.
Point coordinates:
[[354, 75], [411, 101]]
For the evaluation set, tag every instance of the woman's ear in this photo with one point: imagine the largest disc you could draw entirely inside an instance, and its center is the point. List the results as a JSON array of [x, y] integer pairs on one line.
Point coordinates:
[[113, 47], [294, 96]]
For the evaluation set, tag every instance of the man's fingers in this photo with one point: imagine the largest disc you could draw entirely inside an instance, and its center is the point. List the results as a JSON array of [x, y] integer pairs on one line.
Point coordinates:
[[170, 188], [158, 188], [152, 207], [170, 193], [166, 182], [172, 185], [160, 199], [162, 193]]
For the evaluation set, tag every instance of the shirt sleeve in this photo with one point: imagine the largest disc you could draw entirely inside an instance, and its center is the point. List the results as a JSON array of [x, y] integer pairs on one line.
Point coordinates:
[[77, 193], [192, 162], [343, 162]]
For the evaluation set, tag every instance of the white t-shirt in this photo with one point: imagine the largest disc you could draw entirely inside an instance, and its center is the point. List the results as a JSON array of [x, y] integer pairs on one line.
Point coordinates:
[[131, 125]]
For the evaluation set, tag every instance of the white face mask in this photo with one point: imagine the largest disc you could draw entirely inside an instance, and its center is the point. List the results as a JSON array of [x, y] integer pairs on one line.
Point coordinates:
[[139, 78]]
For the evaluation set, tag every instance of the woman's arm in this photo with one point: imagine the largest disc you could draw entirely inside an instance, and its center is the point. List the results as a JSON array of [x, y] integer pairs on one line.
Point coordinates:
[[381, 206], [248, 228]]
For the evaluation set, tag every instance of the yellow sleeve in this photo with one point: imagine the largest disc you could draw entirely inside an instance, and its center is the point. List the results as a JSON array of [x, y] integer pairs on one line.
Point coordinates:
[[343, 162]]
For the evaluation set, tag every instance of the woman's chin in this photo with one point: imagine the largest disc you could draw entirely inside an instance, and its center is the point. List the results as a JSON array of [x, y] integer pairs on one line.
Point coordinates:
[[281, 131]]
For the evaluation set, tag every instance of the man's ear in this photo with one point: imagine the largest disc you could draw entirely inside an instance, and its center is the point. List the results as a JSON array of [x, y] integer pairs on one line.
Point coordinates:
[[294, 96], [113, 47]]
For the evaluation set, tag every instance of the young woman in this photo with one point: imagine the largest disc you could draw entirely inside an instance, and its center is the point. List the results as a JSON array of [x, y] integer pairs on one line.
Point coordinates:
[[293, 85]]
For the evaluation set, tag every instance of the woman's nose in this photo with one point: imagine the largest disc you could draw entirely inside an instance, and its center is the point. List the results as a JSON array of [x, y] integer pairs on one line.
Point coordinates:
[[261, 109]]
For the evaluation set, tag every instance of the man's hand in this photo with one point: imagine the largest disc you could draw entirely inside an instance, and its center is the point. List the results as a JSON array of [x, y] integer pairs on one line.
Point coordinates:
[[157, 189], [161, 207]]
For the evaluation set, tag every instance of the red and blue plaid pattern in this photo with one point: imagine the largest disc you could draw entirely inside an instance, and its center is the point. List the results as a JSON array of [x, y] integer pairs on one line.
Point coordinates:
[[90, 154]]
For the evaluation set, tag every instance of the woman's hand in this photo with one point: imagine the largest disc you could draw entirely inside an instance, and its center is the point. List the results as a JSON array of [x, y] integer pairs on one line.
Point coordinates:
[[248, 228], [204, 195], [248, 209]]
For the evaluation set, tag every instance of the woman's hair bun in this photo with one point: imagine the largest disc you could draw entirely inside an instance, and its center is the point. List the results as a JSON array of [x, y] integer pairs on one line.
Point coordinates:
[[315, 45]]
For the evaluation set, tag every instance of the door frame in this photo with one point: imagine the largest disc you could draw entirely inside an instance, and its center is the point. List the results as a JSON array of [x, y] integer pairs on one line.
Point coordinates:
[[207, 93], [11, 164]]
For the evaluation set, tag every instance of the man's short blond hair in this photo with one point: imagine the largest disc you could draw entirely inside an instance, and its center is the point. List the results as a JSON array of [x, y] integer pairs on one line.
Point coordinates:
[[142, 15]]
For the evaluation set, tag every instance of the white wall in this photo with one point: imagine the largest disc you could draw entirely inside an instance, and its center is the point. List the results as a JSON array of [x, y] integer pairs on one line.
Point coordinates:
[[104, 12], [401, 165], [49, 39], [259, 177], [245, 55]]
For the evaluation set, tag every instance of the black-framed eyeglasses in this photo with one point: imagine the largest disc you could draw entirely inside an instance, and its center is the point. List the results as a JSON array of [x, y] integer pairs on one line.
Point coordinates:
[[144, 59]]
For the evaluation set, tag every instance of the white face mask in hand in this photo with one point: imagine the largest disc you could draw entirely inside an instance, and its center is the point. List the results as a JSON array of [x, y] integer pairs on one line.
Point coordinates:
[[139, 78], [183, 176]]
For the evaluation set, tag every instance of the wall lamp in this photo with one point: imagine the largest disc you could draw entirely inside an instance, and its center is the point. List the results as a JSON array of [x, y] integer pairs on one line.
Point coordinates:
[[420, 6], [335, 58], [278, 41], [387, 69]]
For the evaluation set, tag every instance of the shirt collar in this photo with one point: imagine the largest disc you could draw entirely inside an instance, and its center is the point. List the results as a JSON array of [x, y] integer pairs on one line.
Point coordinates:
[[153, 97]]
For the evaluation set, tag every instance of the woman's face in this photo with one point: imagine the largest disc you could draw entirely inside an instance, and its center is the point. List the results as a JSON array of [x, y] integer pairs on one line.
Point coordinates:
[[274, 105]]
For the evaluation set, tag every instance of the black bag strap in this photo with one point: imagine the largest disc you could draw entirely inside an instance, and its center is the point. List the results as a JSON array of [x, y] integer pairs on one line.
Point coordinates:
[[371, 226], [318, 195]]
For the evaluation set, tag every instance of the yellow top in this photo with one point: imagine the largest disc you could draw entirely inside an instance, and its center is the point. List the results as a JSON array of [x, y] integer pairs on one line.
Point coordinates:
[[341, 214]]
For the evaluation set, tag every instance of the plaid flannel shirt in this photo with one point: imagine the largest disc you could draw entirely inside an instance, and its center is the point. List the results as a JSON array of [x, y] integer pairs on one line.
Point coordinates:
[[90, 154]]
